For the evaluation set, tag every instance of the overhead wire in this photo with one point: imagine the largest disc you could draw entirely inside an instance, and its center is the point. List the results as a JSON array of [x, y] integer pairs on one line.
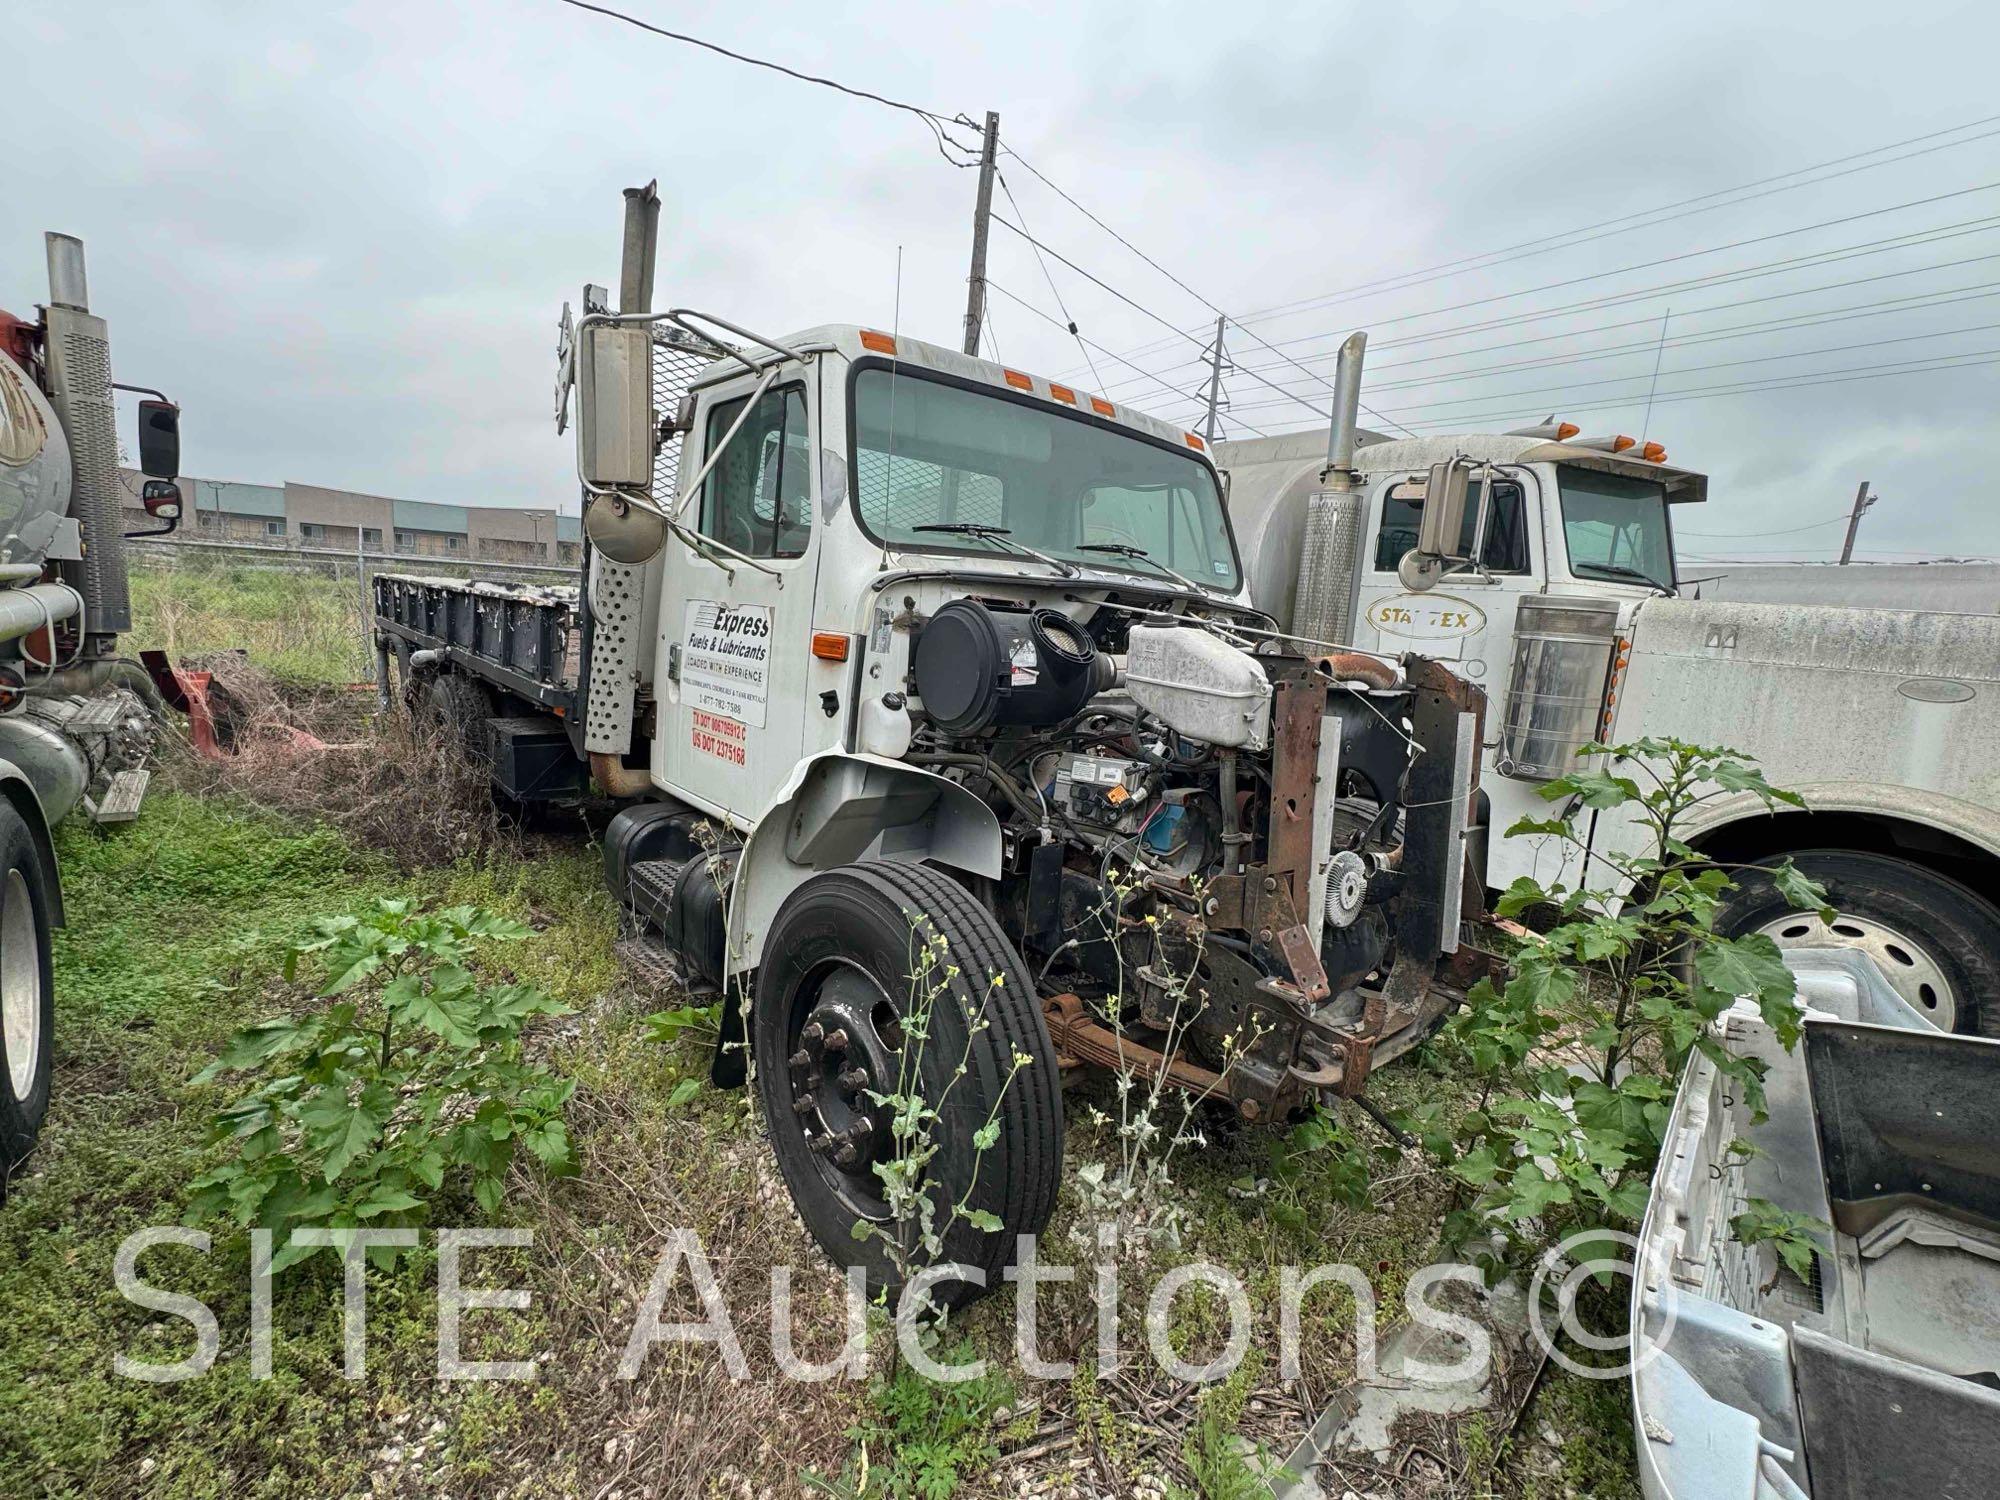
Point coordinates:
[[936, 121], [1053, 292], [1958, 230], [1660, 214], [1727, 364], [1050, 318], [1971, 359]]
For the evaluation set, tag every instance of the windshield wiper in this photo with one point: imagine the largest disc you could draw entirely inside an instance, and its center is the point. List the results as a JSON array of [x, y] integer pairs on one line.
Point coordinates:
[[1140, 554], [1619, 570], [1005, 538]]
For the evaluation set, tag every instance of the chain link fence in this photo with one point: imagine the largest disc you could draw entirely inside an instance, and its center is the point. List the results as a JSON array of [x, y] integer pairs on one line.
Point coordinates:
[[302, 613]]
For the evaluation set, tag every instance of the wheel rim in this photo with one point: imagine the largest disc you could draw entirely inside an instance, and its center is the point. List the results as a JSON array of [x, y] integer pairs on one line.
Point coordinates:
[[844, 1044], [20, 984], [1908, 966]]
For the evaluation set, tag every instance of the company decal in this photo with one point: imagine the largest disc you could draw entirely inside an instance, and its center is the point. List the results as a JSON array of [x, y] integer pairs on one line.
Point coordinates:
[[712, 734], [1427, 617], [726, 661]]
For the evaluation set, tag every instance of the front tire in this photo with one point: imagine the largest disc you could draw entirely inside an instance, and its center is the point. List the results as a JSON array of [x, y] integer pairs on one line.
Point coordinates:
[[1934, 941], [843, 956], [27, 991]]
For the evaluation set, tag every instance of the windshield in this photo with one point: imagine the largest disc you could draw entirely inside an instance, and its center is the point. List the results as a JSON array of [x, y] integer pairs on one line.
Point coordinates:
[[1615, 526], [931, 454]]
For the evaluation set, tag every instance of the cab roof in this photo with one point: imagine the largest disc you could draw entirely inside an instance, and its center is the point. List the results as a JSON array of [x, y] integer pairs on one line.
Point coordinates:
[[855, 342]]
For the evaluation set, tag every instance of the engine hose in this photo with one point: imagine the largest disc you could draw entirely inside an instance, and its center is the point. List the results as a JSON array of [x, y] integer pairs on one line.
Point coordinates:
[[87, 677], [1349, 666]]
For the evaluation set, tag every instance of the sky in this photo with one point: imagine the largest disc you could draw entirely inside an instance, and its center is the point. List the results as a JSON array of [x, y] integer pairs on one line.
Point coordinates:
[[340, 235]]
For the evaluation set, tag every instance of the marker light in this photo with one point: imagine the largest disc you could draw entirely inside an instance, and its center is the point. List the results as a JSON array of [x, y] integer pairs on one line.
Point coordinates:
[[1103, 408], [1653, 453], [829, 645], [881, 343], [1195, 442], [1062, 393], [1560, 432], [1019, 381]]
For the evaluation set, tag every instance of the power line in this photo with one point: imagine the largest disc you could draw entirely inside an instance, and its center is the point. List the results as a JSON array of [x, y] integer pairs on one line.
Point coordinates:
[[930, 117], [1958, 230], [1047, 317], [1080, 344], [1466, 263], [1727, 364], [1971, 359], [1919, 303], [1107, 229], [1730, 536], [1458, 268], [1140, 307]]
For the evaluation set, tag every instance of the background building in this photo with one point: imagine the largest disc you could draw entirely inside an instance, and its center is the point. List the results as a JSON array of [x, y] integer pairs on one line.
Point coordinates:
[[312, 515]]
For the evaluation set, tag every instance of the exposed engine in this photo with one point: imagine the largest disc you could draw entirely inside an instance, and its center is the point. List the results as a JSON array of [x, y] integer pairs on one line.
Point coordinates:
[[1211, 841]]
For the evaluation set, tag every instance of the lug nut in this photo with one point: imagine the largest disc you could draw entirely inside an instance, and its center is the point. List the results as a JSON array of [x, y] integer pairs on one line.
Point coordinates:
[[821, 1143], [854, 1079], [846, 1156], [802, 1058], [813, 1034], [836, 1039], [802, 1105]]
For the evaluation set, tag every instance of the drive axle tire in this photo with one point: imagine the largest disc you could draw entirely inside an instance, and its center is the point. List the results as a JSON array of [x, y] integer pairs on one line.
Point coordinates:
[[455, 705], [831, 1025], [1934, 941], [27, 991]]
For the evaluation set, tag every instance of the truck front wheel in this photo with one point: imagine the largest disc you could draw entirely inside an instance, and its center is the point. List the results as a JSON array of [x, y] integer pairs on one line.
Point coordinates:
[[1934, 941], [27, 991], [885, 989]]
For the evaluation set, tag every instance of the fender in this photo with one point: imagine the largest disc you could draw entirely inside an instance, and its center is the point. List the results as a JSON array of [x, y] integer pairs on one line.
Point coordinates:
[[1970, 821], [838, 808], [18, 790]]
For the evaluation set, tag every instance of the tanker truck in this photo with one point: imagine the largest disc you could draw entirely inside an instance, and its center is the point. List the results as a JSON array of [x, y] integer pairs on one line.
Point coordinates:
[[76, 718], [1539, 565]]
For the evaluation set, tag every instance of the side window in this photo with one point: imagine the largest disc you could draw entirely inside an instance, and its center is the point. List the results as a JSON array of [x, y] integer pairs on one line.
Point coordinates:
[[758, 497], [1506, 549]]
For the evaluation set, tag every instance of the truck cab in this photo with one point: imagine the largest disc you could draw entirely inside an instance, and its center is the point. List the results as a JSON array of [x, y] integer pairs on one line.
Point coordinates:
[[1559, 595]]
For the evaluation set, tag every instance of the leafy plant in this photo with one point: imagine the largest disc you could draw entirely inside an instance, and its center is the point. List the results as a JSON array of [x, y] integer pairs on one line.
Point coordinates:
[[1762, 1222], [1319, 1159], [409, 1081], [920, 1439], [918, 1215], [1578, 1051]]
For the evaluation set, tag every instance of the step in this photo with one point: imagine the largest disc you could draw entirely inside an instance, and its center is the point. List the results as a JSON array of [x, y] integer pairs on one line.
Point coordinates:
[[649, 891], [121, 798]]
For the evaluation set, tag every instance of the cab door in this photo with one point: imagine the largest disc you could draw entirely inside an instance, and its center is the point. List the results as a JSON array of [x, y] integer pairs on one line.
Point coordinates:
[[1468, 619], [735, 632]]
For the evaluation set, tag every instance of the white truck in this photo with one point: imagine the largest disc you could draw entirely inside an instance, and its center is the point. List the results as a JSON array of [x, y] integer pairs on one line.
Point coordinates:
[[1548, 577], [934, 690]]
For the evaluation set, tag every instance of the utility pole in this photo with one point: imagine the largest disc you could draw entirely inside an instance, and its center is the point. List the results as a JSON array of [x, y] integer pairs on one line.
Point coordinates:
[[982, 214], [1862, 500], [1214, 382]]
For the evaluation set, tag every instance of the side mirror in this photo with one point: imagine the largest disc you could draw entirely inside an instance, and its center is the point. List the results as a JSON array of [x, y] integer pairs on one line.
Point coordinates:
[[160, 440], [1443, 520], [162, 500], [1439, 526], [614, 406]]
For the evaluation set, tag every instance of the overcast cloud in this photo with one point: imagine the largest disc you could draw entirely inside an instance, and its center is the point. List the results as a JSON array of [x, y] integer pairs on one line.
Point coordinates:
[[340, 234]]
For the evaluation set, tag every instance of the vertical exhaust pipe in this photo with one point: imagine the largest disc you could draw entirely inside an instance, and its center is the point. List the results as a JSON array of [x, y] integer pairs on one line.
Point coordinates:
[[642, 235], [1323, 597], [1346, 413], [78, 358]]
